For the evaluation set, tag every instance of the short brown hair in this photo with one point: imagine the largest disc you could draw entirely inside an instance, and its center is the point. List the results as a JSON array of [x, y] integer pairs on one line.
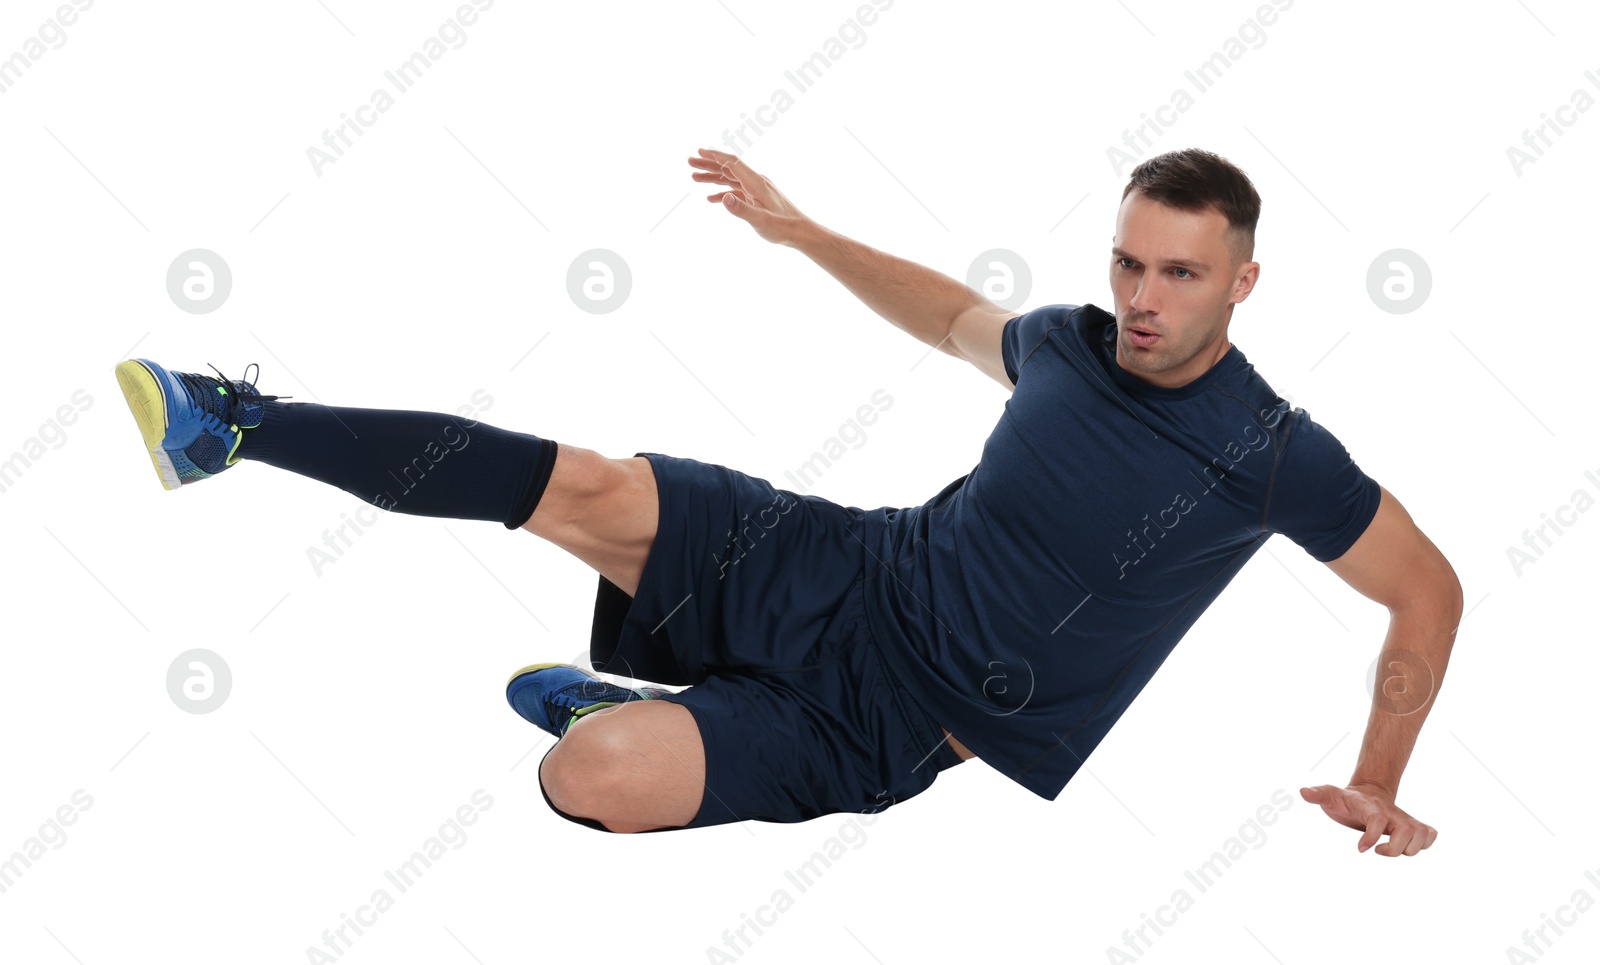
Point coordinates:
[[1193, 179]]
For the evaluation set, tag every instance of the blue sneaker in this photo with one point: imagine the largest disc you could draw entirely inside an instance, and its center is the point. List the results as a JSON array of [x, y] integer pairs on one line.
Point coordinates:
[[192, 424], [553, 695]]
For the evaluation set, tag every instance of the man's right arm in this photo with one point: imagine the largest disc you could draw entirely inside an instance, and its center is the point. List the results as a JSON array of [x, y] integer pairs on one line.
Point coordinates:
[[929, 306]]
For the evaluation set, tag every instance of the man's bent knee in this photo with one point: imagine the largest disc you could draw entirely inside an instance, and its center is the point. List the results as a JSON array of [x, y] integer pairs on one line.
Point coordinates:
[[544, 789], [624, 775]]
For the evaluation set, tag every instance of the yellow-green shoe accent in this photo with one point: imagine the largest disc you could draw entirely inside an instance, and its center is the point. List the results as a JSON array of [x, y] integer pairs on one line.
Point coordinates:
[[148, 404], [553, 695]]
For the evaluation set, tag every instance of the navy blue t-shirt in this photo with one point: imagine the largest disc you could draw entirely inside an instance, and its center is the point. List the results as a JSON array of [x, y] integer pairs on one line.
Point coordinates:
[[1029, 601]]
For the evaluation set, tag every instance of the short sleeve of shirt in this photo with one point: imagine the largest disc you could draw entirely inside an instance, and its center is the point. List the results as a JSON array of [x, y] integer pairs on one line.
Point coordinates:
[[1022, 334], [1319, 497]]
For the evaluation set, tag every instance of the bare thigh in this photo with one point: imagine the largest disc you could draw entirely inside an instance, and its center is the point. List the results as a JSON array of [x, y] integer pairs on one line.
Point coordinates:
[[604, 511]]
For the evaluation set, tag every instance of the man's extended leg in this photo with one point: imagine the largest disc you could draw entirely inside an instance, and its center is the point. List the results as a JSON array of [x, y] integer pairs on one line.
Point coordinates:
[[420, 463], [599, 509]]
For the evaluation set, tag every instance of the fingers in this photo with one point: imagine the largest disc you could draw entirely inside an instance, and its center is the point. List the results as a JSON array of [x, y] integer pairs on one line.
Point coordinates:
[[729, 199], [719, 167], [1407, 836], [711, 171], [1404, 839], [705, 163], [1376, 825], [1400, 839], [723, 167], [714, 179], [1421, 837], [732, 200], [1335, 802], [1316, 795], [715, 176], [715, 173], [732, 161]]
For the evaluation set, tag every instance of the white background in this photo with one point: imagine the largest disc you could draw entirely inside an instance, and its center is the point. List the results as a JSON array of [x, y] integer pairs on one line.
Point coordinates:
[[423, 265]]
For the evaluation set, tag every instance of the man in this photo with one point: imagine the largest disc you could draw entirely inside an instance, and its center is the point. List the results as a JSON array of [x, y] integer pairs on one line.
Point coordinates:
[[837, 659]]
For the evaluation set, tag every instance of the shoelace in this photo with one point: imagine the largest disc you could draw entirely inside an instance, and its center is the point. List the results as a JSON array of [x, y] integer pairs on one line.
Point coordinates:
[[565, 699], [243, 392], [562, 714]]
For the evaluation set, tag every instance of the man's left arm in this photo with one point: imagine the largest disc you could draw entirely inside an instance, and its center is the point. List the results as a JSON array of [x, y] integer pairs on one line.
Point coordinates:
[[1395, 564]]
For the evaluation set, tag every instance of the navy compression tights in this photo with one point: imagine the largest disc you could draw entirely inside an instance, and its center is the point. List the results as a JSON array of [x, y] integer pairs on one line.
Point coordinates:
[[420, 463]]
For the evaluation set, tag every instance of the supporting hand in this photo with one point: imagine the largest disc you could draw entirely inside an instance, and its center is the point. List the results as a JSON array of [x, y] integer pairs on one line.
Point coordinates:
[[1370, 809]]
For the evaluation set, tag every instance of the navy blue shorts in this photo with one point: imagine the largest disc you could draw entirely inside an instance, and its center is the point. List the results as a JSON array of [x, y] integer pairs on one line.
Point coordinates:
[[754, 596]]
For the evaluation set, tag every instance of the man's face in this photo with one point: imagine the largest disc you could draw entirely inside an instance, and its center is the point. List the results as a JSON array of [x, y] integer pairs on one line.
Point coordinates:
[[1173, 275]]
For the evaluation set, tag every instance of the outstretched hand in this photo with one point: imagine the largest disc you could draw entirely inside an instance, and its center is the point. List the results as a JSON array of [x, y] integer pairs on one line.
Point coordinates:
[[752, 197], [1370, 809]]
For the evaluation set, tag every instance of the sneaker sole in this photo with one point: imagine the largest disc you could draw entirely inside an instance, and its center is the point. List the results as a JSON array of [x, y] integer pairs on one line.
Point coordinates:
[[652, 692], [148, 404], [530, 668]]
